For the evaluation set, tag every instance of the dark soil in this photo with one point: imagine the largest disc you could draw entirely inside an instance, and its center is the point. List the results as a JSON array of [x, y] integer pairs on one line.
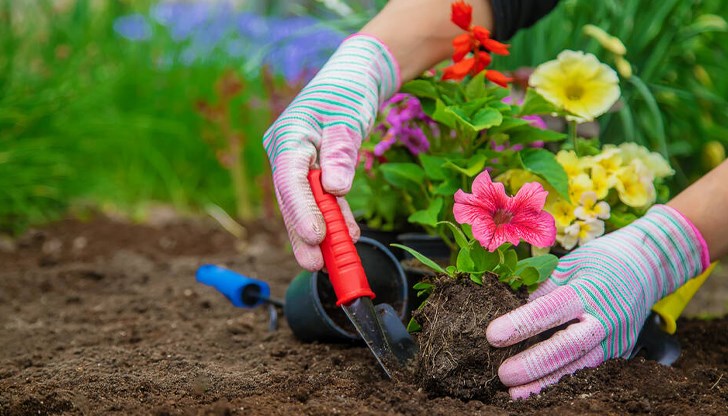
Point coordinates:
[[104, 317], [455, 358]]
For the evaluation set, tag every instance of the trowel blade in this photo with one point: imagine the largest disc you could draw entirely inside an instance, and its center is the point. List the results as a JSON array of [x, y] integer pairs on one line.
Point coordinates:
[[655, 344], [364, 316]]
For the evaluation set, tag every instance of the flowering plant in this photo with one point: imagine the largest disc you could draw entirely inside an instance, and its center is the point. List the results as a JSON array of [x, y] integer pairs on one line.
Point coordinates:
[[436, 135], [446, 156]]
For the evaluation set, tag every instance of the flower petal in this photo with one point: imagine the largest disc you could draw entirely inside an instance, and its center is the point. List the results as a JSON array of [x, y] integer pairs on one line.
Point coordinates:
[[483, 231], [496, 47], [538, 230], [498, 78], [481, 34], [490, 195], [461, 14], [530, 198], [466, 208], [459, 70]]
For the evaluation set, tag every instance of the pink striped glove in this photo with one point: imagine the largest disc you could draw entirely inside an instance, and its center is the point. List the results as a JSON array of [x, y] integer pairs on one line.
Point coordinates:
[[325, 125], [607, 287]]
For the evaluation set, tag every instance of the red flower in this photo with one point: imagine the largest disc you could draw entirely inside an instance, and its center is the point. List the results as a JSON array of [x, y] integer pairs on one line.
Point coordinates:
[[462, 14], [477, 42], [459, 70], [496, 47], [497, 78], [463, 45]]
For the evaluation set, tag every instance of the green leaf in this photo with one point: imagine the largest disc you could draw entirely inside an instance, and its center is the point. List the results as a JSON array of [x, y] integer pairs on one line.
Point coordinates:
[[433, 166], [429, 215], [543, 265], [420, 88], [621, 219], [528, 275], [477, 278], [407, 176], [534, 103], [481, 118], [424, 260], [508, 260], [460, 238], [413, 326], [448, 187], [476, 87], [423, 288], [469, 167], [530, 134], [482, 258], [464, 262], [468, 231], [543, 163], [486, 118], [443, 115]]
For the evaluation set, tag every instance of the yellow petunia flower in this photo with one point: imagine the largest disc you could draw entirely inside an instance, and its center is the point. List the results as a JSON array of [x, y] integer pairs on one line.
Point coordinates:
[[634, 184], [578, 83], [590, 207]]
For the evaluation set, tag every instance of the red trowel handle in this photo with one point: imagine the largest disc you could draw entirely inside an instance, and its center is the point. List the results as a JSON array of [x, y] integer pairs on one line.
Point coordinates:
[[342, 261]]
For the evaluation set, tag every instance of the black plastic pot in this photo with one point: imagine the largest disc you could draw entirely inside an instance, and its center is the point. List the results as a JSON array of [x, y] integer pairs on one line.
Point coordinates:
[[310, 305], [430, 246], [387, 238]]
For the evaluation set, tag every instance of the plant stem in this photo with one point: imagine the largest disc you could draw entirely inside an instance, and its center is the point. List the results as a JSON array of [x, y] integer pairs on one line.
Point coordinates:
[[572, 135]]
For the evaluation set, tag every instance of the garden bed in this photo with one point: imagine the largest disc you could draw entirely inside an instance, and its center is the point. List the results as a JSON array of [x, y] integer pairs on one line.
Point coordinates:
[[105, 317]]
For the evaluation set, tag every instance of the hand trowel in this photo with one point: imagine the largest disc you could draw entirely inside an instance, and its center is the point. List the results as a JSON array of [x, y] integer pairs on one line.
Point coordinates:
[[379, 327]]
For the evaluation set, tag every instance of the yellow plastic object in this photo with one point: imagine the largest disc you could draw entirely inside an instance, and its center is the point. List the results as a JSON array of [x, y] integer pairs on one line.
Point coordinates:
[[671, 306]]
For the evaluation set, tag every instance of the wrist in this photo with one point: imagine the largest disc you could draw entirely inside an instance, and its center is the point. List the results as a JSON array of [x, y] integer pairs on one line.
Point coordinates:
[[386, 68], [676, 249], [694, 234], [426, 38]]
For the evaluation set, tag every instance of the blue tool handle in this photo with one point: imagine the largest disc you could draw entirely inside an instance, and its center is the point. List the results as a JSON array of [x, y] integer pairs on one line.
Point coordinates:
[[241, 291]]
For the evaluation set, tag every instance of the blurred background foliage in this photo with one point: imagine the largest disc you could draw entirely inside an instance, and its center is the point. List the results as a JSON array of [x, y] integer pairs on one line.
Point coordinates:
[[117, 104]]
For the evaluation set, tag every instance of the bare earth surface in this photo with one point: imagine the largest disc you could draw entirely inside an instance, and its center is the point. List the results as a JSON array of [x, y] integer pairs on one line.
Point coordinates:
[[105, 317]]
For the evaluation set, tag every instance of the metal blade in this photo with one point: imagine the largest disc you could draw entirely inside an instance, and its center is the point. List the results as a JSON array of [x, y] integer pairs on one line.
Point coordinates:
[[655, 344], [362, 314]]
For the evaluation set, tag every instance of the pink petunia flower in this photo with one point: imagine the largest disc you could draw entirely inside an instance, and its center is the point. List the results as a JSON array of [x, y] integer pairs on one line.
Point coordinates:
[[497, 218]]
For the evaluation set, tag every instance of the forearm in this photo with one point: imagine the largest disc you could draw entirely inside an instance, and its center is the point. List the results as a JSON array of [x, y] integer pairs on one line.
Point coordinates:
[[419, 33], [704, 203]]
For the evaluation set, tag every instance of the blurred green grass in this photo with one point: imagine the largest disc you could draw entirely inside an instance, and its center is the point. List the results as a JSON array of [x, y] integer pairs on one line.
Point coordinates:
[[87, 115]]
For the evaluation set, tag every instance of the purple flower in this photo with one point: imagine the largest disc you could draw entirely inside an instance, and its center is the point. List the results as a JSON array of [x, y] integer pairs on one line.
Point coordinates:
[[403, 124], [133, 27], [299, 46]]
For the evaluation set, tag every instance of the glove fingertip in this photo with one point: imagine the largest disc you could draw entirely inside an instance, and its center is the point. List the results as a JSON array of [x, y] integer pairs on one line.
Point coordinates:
[[337, 181], [513, 372], [524, 392], [309, 257], [500, 332]]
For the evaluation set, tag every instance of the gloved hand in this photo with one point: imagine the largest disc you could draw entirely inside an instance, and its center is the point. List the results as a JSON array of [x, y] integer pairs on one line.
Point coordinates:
[[608, 287], [325, 125]]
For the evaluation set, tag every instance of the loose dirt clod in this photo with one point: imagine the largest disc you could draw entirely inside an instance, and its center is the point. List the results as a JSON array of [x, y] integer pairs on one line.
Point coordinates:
[[455, 358]]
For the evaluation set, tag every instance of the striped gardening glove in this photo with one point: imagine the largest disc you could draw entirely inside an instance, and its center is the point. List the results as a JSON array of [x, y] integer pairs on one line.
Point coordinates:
[[607, 288], [325, 125]]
